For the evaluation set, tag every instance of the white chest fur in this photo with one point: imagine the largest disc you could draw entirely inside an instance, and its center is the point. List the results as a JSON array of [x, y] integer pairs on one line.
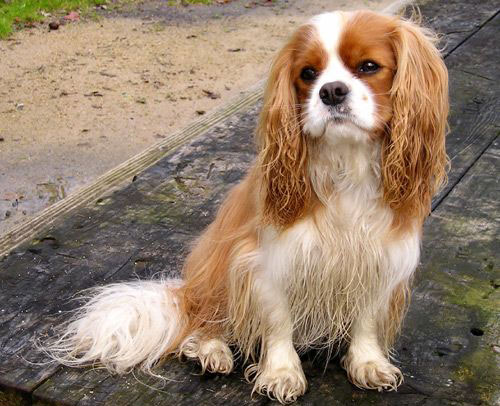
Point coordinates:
[[340, 261]]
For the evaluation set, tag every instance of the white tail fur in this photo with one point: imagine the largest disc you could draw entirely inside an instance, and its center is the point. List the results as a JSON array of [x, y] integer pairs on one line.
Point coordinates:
[[123, 325]]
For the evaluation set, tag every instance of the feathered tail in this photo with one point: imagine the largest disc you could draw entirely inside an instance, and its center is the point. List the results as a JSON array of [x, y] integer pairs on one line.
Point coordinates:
[[122, 326]]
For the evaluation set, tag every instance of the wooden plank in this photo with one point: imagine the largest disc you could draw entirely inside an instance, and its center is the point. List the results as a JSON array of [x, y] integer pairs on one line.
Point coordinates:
[[447, 346], [145, 229], [474, 90], [474, 14]]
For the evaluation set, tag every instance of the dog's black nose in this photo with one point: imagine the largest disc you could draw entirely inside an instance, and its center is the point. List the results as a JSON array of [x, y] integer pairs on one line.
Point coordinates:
[[333, 93]]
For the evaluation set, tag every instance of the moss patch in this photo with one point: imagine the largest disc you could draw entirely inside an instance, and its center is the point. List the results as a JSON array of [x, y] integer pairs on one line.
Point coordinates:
[[479, 370]]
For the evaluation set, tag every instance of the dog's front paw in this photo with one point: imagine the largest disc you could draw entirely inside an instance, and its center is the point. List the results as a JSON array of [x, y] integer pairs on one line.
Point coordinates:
[[377, 374], [283, 384]]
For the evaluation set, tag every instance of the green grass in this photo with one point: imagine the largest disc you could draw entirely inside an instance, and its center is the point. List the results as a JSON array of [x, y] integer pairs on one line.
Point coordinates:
[[17, 13]]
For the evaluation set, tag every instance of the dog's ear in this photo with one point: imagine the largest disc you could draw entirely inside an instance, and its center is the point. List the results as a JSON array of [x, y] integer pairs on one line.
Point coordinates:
[[414, 160], [282, 147]]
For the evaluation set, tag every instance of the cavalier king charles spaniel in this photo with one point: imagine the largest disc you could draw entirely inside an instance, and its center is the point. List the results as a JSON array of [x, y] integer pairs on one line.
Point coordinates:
[[316, 247]]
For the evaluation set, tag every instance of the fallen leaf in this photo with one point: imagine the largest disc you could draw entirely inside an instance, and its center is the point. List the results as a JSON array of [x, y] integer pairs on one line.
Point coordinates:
[[73, 16], [95, 93], [210, 94], [107, 74]]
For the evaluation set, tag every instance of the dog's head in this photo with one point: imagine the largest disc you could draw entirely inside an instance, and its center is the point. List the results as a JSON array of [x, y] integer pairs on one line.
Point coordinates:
[[360, 76]]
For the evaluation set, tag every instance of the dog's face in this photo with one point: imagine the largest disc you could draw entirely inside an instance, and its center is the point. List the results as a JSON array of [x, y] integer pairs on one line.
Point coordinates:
[[364, 77], [343, 73]]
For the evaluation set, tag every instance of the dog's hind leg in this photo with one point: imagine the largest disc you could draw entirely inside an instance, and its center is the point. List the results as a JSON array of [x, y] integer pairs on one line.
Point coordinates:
[[213, 354]]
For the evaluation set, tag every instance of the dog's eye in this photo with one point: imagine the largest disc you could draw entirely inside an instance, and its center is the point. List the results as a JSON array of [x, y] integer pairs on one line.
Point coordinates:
[[368, 67], [308, 74]]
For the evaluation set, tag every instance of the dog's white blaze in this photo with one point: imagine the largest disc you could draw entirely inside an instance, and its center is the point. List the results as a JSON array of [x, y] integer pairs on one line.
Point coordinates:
[[329, 28], [360, 99]]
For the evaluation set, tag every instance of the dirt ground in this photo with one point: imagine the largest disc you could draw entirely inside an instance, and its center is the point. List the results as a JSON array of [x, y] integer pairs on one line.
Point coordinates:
[[78, 101]]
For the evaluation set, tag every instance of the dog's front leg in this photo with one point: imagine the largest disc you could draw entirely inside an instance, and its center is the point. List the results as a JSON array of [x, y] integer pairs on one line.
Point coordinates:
[[365, 362], [279, 372]]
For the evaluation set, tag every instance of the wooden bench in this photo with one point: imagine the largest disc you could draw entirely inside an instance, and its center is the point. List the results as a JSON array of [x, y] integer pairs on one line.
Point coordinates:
[[449, 347]]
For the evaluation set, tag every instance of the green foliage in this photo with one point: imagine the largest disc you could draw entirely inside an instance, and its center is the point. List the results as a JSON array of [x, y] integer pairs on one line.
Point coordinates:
[[20, 12]]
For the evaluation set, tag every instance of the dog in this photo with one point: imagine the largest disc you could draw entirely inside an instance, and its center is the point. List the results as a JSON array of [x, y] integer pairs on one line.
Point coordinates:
[[316, 247]]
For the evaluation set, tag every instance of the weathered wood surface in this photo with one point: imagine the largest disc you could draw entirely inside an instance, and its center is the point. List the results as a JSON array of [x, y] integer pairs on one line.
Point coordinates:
[[474, 91], [145, 229]]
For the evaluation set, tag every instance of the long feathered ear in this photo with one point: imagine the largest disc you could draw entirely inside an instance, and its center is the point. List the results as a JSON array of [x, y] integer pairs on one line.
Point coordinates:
[[283, 150], [414, 160]]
